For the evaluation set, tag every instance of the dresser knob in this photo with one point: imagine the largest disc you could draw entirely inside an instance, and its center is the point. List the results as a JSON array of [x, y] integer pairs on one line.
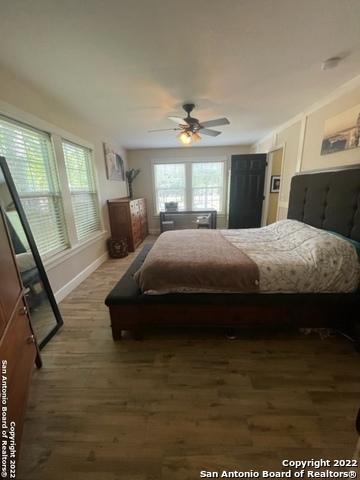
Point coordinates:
[[22, 311], [30, 339]]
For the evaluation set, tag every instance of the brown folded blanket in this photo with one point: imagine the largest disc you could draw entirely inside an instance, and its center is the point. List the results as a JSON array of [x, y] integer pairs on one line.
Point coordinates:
[[196, 261]]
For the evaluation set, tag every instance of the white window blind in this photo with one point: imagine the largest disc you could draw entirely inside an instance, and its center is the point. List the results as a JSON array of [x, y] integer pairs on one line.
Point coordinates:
[[169, 184], [82, 188], [208, 185], [31, 161]]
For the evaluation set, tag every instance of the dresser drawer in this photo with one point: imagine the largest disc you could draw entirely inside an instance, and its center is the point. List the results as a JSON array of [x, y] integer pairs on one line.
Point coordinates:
[[18, 387], [137, 234], [18, 349], [10, 290], [144, 230], [137, 241], [134, 206], [17, 340], [135, 223]]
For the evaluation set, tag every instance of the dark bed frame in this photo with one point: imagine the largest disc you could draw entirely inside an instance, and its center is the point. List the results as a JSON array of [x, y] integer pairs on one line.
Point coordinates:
[[329, 200]]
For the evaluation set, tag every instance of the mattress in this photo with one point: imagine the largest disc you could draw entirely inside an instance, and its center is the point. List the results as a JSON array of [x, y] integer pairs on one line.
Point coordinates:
[[294, 257], [290, 256]]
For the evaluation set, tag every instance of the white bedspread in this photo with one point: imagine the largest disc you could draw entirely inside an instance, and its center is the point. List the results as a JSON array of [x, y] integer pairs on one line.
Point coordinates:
[[295, 258]]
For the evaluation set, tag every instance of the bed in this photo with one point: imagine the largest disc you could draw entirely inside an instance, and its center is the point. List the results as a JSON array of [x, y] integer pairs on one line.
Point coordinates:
[[328, 201]]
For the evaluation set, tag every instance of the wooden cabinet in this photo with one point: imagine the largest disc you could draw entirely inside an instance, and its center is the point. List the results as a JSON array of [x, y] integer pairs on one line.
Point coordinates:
[[128, 219], [18, 350]]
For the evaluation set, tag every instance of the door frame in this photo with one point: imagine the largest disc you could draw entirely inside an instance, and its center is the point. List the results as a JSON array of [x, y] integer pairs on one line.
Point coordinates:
[[281, 146]]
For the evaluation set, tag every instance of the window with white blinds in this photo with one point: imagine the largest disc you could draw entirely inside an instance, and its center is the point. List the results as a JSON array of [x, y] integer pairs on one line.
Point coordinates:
[[193, 184], [82, 188], [170, 185], [208, 185], [31, 161]]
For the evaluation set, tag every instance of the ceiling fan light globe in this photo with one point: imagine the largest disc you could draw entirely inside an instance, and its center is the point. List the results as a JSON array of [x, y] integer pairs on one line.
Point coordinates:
[[185, 138]]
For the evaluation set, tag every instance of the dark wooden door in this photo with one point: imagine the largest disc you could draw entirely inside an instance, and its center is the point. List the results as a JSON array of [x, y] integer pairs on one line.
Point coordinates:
[[246, 190]]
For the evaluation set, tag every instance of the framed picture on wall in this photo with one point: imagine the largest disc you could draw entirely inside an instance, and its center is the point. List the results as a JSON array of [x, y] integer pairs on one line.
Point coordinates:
[[275, 184], [342, 132], [114, 164]]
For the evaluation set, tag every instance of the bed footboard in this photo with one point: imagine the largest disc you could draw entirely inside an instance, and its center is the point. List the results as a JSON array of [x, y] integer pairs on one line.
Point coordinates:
[[132, 311]]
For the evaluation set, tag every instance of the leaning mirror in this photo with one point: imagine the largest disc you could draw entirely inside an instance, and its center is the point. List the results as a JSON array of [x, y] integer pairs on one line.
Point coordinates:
[[44, 312]]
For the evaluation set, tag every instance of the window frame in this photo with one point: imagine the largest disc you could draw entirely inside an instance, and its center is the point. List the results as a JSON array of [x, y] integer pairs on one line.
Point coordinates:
[[53, 179], [74, 243], [74, 233], [189, 161], [57, 135]]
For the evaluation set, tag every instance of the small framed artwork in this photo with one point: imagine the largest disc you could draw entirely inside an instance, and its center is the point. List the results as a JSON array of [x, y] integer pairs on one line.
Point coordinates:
[[275, 184], [114, 164], [342, 132]]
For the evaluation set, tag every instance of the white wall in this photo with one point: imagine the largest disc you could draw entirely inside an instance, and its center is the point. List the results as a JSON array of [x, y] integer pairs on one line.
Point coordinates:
[[22, 102], [289, 138], [302, 138], [142, 159]]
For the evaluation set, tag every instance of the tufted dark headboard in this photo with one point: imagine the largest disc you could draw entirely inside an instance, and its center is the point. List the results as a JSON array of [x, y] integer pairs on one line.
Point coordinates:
[[328, 199]]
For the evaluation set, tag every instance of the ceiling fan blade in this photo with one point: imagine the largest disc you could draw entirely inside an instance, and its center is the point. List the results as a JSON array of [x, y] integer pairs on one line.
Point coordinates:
[[207, 131], [163, 130], [215, 123], [178, 120]]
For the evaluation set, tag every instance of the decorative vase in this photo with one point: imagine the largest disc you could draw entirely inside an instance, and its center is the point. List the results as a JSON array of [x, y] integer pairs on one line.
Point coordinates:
[[130, 190], [130, 176]]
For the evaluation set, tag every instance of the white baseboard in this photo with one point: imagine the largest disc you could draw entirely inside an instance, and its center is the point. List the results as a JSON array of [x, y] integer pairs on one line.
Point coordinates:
[[75, 282]]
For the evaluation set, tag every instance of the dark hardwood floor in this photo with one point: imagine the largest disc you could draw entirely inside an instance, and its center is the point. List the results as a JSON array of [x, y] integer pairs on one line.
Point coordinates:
[[180, 402]]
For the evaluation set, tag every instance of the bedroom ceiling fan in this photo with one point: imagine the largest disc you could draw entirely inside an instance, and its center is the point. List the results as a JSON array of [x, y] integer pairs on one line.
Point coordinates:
[[190, 127]]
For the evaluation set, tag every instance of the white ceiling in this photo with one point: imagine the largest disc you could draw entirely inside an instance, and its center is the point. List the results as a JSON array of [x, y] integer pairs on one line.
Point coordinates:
[[125, 65]]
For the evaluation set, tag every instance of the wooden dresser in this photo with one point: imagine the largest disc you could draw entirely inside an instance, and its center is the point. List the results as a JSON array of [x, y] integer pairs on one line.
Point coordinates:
[[128, 219], [18, 349]]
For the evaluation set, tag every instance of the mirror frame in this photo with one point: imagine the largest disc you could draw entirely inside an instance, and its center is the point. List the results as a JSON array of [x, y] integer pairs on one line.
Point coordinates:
[[29, 236]]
